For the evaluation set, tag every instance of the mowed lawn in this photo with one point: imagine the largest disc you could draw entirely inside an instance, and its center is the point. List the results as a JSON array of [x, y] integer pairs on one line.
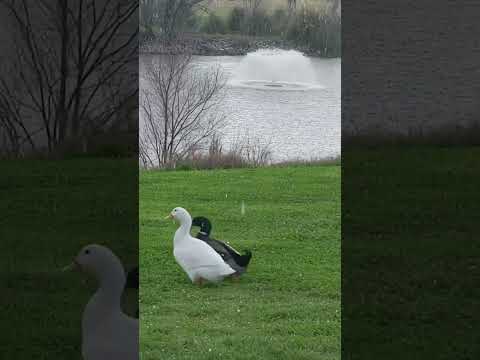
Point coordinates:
[[411, 223], [288, 304]]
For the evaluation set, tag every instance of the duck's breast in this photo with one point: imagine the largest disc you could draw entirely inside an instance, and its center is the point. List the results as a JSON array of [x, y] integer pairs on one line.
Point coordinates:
[[108, 333], [113, 339]]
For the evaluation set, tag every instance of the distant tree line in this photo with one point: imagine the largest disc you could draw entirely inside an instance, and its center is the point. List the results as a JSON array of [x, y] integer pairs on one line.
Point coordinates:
[[165, 17], [318, 28]]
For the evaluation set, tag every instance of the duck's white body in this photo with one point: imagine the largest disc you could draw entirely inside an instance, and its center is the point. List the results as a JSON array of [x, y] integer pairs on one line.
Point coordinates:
[[107, 333], [196, 258]]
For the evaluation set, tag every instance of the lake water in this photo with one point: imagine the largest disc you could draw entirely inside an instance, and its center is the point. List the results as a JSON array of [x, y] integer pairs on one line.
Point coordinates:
[[290, 102]]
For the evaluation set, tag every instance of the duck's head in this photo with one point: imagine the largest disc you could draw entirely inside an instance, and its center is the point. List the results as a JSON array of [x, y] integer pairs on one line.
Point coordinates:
[[204, 224], [180, 215], [100, 262]]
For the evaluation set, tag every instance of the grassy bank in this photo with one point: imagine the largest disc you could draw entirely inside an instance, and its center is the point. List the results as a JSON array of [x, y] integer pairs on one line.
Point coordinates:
[[286, 307], [49, 210]]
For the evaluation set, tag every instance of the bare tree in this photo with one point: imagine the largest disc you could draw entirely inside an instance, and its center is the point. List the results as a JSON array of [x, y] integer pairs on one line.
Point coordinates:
[[252, 5], [149, 13], [256, 153], [252, 150], [13, 132], [175, 12], [336, 8], [179, 107], [168, 15], [68, 56], [292, 5]]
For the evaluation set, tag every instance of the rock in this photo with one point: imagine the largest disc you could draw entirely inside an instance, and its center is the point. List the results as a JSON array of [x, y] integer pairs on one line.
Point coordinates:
[[225, 46]]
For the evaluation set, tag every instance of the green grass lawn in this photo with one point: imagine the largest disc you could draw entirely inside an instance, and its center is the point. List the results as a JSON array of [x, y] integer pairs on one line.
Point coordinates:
[[410, 249], [49, 210], [288, 304]]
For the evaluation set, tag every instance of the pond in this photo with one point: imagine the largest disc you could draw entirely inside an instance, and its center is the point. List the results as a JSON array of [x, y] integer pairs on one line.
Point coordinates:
[[281, 99]]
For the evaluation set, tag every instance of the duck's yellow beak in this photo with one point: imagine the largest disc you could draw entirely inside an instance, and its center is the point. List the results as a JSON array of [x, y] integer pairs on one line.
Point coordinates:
[[73, 266], [170, 216]]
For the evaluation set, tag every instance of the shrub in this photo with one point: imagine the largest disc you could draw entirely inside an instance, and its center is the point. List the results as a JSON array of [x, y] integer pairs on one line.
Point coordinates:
[[236, 19], [246, 152], [194, 23], [278, 22], [214, 24], [316, 30], [259, 24]]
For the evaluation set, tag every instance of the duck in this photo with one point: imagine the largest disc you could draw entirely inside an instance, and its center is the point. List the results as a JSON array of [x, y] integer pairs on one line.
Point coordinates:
[[199, 260], [133, 282], [232, 257], [132, 279], [107, 333]]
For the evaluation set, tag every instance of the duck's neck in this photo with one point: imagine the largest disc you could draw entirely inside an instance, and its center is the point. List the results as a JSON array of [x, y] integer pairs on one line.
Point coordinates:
[[105, 304], [205, 229], [109, 293], [183, 231]]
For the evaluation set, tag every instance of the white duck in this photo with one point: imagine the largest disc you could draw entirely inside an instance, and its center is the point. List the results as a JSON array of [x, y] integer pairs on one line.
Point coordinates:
[[107, 333], [199, 260]]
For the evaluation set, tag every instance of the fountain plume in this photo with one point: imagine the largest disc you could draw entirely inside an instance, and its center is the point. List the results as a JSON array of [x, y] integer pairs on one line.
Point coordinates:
[[276, 69]]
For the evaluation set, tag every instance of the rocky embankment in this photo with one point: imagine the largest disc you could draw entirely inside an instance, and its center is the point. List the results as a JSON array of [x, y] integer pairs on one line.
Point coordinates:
[[221, 46]]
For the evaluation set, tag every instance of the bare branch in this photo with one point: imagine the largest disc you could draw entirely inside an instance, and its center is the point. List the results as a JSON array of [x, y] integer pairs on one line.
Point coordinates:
[[69, 56], [179, 108]]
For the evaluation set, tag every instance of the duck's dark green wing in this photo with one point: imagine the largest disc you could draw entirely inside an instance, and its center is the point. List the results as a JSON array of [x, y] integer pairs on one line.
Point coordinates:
[[230, 255]]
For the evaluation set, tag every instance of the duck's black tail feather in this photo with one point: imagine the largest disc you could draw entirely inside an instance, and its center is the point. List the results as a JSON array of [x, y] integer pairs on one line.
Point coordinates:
[[132, 279], [241, 260], [244, 260]]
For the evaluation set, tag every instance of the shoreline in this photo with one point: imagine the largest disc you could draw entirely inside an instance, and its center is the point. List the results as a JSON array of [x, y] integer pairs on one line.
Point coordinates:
[[225, 45]]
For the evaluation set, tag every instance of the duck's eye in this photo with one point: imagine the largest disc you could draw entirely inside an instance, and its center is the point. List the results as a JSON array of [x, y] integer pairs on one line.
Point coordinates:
[[87, 252]]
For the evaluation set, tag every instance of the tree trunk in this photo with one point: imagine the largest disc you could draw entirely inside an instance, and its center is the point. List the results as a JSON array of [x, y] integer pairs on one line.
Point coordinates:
[[80, 72], [61, 113]]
